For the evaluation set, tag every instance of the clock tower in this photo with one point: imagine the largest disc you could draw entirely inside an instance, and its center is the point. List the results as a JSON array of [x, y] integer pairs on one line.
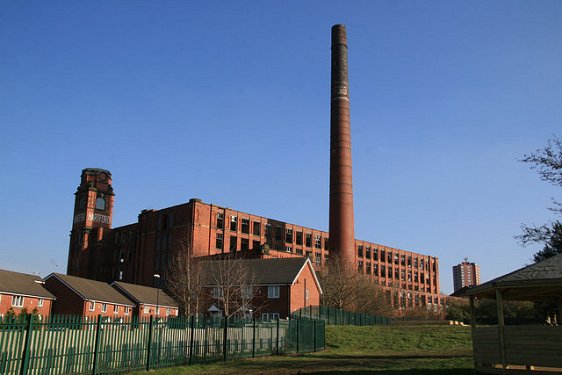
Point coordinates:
[[93, 209]]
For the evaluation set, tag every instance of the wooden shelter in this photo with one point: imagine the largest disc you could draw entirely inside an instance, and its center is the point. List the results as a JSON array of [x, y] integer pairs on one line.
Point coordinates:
[[519, 349]]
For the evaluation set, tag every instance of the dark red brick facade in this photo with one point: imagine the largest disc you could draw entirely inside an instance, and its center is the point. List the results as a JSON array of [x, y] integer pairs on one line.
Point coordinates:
[[135, 252]]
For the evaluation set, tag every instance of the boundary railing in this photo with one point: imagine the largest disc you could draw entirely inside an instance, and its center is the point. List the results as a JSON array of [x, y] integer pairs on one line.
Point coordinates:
[[335, 316], [74, 345]]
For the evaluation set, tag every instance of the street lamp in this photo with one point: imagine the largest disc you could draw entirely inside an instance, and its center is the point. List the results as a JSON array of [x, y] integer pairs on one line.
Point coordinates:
[[157, 277]]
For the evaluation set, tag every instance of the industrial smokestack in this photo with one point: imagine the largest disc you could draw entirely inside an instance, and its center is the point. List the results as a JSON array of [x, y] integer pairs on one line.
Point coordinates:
[[342, 233]]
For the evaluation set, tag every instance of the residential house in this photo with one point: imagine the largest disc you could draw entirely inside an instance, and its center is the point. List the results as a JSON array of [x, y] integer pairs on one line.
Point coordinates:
[[280, 286], [88, 298], [23, 292], [148, 301]]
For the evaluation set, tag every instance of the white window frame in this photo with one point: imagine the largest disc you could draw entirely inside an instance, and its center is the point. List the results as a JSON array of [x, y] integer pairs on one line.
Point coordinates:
[[116, 309], [104, 307], [146, 309], [268, 317], [127, 309], [40, 302], [92, 306], [273, 291], [218, 292], [18, 301], [167, 311], [247, 291]]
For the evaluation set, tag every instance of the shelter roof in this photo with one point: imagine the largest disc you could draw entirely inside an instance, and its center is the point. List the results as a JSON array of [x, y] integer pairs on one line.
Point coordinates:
[[23, 284], [539, 281]]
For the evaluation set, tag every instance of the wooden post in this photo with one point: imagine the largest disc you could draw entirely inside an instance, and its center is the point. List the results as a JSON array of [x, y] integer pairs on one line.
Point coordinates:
[[473, 326], [501, 326]]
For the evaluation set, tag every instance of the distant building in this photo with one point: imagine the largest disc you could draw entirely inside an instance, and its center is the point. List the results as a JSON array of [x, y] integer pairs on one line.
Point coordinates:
[[466, 274], [23, 292]]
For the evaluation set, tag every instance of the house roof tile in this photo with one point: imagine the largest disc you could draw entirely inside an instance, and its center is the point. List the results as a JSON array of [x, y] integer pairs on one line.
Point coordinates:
[[23, 284]]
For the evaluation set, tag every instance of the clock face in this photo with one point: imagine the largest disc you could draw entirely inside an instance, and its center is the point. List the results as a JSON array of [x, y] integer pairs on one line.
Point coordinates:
[[102, 176]]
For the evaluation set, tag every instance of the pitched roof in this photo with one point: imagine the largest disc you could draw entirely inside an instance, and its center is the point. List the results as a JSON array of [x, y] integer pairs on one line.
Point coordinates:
[[145, 294], [23, 284], [92, 289], [283, 271], [543, 277]]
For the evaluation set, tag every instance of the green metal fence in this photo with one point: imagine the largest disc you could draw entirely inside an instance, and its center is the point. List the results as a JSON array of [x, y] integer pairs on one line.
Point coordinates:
[[335, 316], [74, 345]]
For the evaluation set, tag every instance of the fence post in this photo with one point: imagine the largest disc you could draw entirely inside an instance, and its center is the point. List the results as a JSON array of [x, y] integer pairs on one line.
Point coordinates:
[[277, 336], [27, 346], [224, 338], [191, 339], [159, 343], [253, 336], [149, 349], [315, 334], [97, 346], [298, 329]]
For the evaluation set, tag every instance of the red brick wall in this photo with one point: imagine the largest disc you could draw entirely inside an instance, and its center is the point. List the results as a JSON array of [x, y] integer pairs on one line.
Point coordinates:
[[196, 223], [69, 303], [305, 281], [29, 303], [110, 312], [152, 311]]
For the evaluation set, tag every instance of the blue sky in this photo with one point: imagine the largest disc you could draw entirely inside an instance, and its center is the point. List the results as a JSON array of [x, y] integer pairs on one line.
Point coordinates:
[[228, 101]]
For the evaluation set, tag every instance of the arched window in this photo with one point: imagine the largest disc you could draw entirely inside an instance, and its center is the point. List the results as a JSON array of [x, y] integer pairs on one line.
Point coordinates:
[[100, 202]]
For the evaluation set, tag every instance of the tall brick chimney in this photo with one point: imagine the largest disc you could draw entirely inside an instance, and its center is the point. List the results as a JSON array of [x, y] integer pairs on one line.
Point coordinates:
[[342, 234]]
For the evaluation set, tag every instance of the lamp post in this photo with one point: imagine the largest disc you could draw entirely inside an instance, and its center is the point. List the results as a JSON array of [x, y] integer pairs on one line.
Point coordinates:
[[121, 261], [157, 277]]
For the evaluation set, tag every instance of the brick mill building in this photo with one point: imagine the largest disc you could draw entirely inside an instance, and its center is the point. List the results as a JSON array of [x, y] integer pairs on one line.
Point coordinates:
[[133, 253]]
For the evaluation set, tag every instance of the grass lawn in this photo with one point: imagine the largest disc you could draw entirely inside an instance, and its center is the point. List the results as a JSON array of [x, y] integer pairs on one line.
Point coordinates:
[[411, 350]]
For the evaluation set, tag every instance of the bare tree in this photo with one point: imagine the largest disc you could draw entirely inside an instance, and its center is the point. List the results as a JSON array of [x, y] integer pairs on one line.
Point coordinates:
[[232, 285], [344, 288], [548, 163], [186, 283]]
